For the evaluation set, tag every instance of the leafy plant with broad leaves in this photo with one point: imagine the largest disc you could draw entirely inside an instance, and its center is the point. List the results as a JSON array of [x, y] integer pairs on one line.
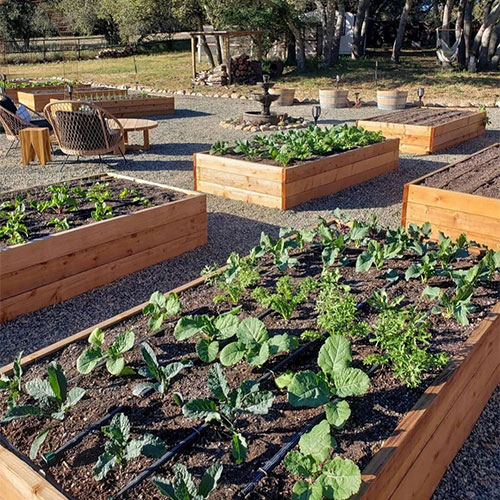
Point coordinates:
[[376, 253], [226, 406], [13, 384], [379, 300], [211, 329], [300, 237], [278, 249], [59, 224], [287, 297], [335, 479], [254, 344], [335, 378], [449, 250], [403, 337], [120, 447], [160, 308], [183, 487], [332, 240], [13, 228], [452, 305], [423, 269], [219, 148], [336, 308], [413, 239], [160, 375], [61, 199], [112, 355]]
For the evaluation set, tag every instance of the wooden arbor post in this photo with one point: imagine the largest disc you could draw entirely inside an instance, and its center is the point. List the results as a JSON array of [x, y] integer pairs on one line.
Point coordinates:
[[226, 41], [193, 54]]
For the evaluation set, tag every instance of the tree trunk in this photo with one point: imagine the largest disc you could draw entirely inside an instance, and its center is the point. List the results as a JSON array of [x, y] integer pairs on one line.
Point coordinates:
[[468, 28], [291, 57], [435, 8], [339, 26], [483, 60], [495, 60], [447, 11], [482, 38], [398, 42], [204, 44], [327, 10], [218, 50], [459, 32], [357, 41]]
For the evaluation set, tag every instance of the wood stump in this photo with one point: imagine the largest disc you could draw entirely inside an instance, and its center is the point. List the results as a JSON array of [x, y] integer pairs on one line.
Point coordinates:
[[35, 142]]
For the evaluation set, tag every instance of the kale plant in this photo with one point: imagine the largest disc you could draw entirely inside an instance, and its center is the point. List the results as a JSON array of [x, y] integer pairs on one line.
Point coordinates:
[[160, 308], [113, 355], [226, 406], [13, 384]]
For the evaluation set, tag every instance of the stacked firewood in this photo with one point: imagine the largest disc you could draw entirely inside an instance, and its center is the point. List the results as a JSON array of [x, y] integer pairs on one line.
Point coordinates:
[[243, 70]]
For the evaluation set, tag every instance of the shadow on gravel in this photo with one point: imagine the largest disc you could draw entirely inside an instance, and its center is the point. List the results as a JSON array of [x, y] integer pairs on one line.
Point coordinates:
[[141, 165], [186, 113]]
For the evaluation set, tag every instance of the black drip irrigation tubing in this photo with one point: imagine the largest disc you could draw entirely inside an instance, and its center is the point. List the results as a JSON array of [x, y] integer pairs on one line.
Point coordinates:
[[197, 431], [52, 457], [276, 459]]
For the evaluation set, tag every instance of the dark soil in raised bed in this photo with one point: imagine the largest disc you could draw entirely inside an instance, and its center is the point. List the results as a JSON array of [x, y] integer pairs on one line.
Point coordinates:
[[374, 415], [417, 116], [479, 174], [36, 221]]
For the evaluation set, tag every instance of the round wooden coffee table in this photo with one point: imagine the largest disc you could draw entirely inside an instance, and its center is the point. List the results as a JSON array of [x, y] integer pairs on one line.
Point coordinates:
[[136, 125]]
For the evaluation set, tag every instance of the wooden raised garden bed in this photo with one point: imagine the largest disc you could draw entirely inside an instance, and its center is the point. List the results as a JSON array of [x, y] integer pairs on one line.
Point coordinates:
[[409, 463], [58, 266], [463, 197], [138, 106], [36, 100], [286, 187], [12, 91], [423, 130]]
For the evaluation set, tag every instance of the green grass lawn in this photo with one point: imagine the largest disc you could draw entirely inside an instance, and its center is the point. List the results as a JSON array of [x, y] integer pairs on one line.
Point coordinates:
[[173, 71]]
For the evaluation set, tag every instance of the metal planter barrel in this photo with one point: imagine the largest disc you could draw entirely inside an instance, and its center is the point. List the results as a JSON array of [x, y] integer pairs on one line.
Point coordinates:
[[333, 98], [390, 100]]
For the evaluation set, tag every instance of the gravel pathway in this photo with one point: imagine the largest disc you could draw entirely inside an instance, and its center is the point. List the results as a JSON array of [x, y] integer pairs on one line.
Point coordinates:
[[232, 226]]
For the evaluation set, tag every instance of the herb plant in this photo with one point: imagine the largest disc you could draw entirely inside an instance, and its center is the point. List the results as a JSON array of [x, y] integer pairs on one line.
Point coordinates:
[[120, 448], [211, 329], [161, 375], [183, 487], [287, 297], [336, 479], [160, 308], [113, 355], [13, 384], [226, 406], [254, 344]]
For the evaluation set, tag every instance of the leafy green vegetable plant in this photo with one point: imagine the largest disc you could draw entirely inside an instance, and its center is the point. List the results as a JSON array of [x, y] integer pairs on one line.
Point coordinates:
[[287, 297], [423, 269], [335, 479], [113, 355], [59, 224], [160, 308], [335, 378], [402, 335], [53, 399], [380, 301], [120, 448], [376, 253], [219, 148], [183, 487], [161, 375], [13, 384], [226, 406], [61, 199], [254, 344], [332, 241], [13, 229], [452, 305], [278, 249], [212, 330]]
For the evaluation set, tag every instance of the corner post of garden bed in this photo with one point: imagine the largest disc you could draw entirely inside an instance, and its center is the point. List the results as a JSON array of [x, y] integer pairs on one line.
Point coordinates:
[[404, 205], [195, 180]]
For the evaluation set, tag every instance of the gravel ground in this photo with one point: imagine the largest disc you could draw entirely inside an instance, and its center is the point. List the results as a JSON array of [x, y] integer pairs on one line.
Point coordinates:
[[236, 226]]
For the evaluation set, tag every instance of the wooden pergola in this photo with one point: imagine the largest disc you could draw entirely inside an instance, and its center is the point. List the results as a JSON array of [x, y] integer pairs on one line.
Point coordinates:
[[225, 38]]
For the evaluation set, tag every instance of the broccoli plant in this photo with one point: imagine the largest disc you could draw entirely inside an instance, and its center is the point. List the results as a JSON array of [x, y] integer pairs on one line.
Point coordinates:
[[448, 250], [160, 308], [183, 487], [278, 249], [212, 330], [113, 355], [452, 305], [423, 269], [254, 344], [52, 397], [336, 308], [403, 337], [287, 297], [332, 241], [13, 384], [120, 448], [300, 236], [335, 479], [161, 375], [227, 406], [376, 253], [335, 378]]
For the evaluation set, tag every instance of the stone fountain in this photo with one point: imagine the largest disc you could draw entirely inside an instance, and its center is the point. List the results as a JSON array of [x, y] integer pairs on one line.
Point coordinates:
[[264, 116]]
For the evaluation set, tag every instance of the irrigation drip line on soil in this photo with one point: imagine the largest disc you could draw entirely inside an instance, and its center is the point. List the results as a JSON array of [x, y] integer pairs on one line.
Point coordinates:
[[52, 457]]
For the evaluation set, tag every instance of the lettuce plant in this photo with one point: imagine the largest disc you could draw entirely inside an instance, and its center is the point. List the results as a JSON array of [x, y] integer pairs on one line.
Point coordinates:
[[335, 378], [287, 297], [160, 375], [112, 355], [335, 479], [254, 344], [211, 329], [120, 448], [13, 384], [183, 487], [226, 406], [403, 337], [160, 308]]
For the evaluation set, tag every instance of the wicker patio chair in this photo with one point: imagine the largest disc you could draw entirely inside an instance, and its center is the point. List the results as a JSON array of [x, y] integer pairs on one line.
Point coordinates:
[[83, 129], [12, 125]]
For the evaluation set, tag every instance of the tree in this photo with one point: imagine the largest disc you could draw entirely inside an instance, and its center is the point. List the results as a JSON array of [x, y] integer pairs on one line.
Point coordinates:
[[339, 25], [327, 12], [357, 39], [480, 46], [398, 42], [447, 11]]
